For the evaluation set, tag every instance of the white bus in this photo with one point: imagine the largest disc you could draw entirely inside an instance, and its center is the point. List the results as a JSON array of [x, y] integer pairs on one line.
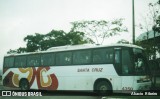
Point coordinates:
[[98, 68]]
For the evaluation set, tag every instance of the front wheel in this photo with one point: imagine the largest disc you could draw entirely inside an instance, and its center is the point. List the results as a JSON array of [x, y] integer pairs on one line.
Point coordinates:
[[24, 84], [103, 88]]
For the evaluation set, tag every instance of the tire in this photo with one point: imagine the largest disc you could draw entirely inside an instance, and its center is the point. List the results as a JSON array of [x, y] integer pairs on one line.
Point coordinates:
[[24, 84], [103, 88]]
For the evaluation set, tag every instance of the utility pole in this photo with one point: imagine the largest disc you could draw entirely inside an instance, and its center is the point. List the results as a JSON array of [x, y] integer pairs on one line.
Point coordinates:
[[133, 22]]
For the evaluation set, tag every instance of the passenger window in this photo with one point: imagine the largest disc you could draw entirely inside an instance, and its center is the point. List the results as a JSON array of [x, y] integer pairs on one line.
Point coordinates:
[[64, 58], [47, 59], [117, 60], [9, 62], [33, 60], [20, 61], [126, 62], [103, 55], [82, 57], [117, 57]]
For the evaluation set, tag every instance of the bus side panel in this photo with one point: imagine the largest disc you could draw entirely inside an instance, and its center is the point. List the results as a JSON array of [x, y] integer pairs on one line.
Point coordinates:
[[83, 77], [61, 77], [7, 79], [12, 76]]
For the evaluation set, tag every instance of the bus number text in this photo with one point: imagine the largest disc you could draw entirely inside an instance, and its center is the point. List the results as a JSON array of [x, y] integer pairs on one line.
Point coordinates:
[[127, 88]]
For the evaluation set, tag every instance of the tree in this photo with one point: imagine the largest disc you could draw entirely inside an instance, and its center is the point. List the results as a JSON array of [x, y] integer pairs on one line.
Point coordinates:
[[156, 27], [155, 9], [75, 38], [151, 22], [11, 51], [40, 42], [52, 39], [33, 42], [60, 38], [123, 41], [150, 45], [99, 29]]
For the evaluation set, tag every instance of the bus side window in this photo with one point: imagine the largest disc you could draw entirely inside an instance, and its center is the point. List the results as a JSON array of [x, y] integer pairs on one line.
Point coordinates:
[[126, 62], [33, 60], [103, 55], [117, 60], [9, 62], [82, 57], [47, 59], [64, 58], [98, 56], [20, 61], [117, 57]]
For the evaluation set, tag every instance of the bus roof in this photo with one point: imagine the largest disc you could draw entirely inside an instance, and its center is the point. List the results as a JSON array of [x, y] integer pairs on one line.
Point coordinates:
[[76, 47]]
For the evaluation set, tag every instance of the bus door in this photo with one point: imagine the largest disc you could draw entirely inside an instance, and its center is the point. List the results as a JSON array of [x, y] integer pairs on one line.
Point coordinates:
[[124, 68]]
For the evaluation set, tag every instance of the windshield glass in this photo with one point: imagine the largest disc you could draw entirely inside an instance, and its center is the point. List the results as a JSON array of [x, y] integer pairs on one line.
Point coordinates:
[[140, 62]]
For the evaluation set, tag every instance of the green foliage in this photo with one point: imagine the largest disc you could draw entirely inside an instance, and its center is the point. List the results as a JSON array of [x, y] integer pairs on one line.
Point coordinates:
[[123, 41], [148, 47], [99, 29], [40, 42], [11, 51], [33, 42], [77, 35], [155, 13], [151, 21], [156, 27], [75, 38], [53, 38]]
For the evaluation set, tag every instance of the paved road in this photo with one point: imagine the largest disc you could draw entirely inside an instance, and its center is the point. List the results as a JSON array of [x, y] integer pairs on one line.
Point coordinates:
[[55, 95], [77, 95], [84, 97]]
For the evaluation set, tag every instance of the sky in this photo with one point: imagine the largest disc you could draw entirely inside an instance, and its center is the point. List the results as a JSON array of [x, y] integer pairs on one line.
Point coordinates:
[[19, 18]]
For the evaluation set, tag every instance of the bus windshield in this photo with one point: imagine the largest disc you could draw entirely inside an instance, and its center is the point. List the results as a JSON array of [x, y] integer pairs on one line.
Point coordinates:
[[140, 62]]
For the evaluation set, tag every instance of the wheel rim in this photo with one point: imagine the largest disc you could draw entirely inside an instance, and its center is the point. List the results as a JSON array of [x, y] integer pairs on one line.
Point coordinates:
[[103, 88]]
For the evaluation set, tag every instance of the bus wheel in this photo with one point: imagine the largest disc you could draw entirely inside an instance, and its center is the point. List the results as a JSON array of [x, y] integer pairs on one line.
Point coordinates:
[[103, 88], [24, 84]]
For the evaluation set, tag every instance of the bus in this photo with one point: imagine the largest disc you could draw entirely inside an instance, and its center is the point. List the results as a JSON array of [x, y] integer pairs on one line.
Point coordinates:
[[97, 68]]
